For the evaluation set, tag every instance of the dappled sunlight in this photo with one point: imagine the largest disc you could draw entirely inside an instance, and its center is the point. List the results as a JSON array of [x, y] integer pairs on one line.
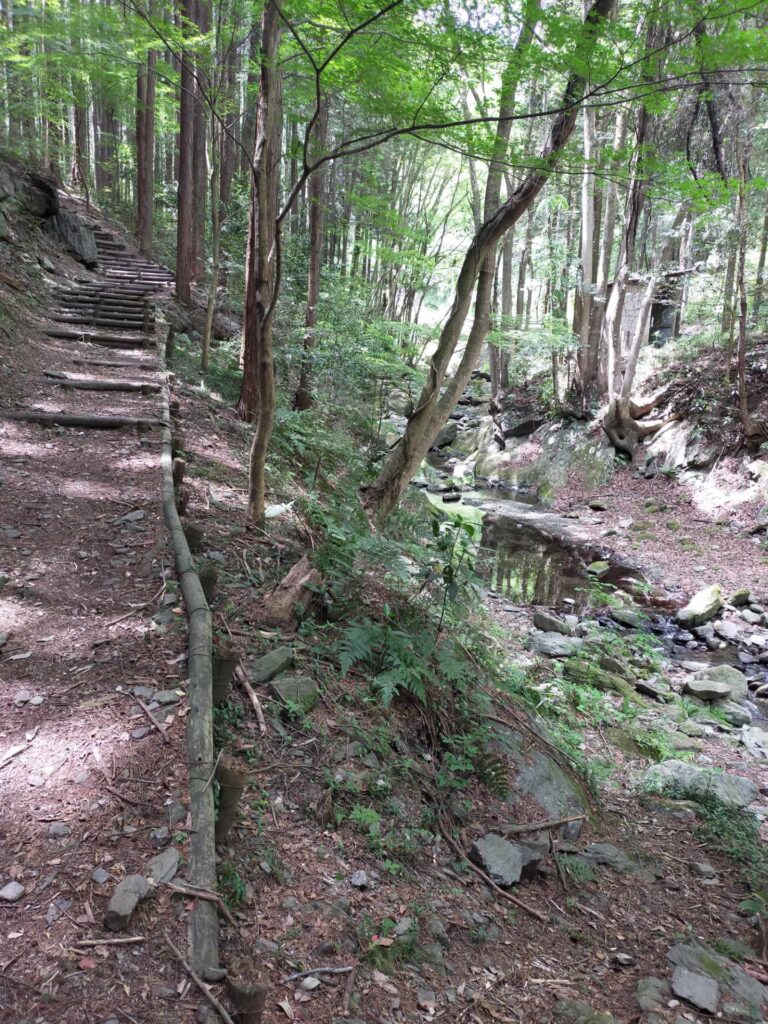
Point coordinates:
[[719, 491]]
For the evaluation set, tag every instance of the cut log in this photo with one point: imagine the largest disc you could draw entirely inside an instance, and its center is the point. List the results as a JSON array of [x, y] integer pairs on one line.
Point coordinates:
[[247, 989], [59, 419], [135, 364], [106, 340], [231, 777], [131, 386], [294, 593]]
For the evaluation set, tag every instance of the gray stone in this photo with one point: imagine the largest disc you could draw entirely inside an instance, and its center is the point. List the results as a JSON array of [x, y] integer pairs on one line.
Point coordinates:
[[549, 623], [22, 697], [736, 714], [735, 984], [143, 692], [542, 779], [576, 1012], [177, 813], [628, 617], [163, 867], [740, 599], [438, 931], [76, 235], [696, 782], [599, 568], [706, 689], [39, 196], [654, 687], [100, 876], [124, 901], [732, 677], [447, 435], [652, 994], [555, 645], [504, 862], [295, 690], [270, 665], [751, 618], [755, 740], [56, 909], [703, 869], [692, 728], [702, 607], [12, 892], [359, 880], [619, 860], [166, 697], [696, 989], [727, 630], [426, 999], [58, 829]]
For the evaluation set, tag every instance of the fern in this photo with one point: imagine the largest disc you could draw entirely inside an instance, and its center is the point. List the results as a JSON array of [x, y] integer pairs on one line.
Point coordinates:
[[355, 645]]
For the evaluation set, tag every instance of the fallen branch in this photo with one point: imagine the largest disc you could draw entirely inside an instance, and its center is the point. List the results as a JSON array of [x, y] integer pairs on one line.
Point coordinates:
[[245, 682], [316, 970], [151, 717], [18, 749], [131, 386], [198, 981], [129, 940], [204, 894]]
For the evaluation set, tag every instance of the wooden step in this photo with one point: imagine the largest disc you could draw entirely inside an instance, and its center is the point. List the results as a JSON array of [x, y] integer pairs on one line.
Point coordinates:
[[102, 338]]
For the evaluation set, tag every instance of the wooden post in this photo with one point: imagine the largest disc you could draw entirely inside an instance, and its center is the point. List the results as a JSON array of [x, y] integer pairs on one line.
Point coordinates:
[[248, 990], [231, 777]]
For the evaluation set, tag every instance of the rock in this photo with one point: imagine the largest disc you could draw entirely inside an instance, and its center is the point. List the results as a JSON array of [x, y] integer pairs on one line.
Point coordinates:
[[652, 994], [692, 728], [705, 689], [555, 645], [727, 630], [628, 617], [655, 688], [39, 196], [163, 867], [746, 994], [703, 869], [755, 740], [426, 999], [438, 931], [124, 901], [177, 813], [504, 862], [446, 436], [12, 892], [400, 402], [99, 876], [736, 714], [549, 623], [752, 618], [699, 783], [599, 568], [613, 857], [22, 697], [702, 607], [166, 697], [160, 836], [58, 829], [734, 679], [76, 235], [576, 1012], [270, 665], [740, 599], [597, 505], [359, 880], [696, 989], [296, 691]]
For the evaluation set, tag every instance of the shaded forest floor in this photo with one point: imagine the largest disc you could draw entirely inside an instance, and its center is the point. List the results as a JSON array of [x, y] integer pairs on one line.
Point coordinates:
[[344, 788]]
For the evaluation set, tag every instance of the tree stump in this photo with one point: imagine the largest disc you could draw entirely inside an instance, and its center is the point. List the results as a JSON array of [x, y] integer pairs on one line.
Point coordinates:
[[247, 989], [179, 471], [231, 777], [209, 577]]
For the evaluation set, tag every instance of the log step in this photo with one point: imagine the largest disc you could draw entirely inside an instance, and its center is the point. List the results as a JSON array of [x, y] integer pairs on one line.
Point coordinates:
[[134, 364], [108, 340], [135, 387], [54, 419]]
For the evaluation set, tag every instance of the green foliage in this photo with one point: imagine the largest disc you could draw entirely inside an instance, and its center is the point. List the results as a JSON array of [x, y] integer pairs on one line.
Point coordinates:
[[735, 834], [230, 884]]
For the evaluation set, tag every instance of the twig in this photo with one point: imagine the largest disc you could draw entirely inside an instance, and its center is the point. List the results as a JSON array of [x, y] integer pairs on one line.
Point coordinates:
[[204, 894], [211, 776], [198, 981], [317, 970], [129, 940], [151, 717], [23, 984], [18, 749], [348, 990], [246, 685]]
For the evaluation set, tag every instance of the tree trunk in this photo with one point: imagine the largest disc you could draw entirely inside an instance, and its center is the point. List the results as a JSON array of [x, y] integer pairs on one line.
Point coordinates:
[[757, 299], [587, 359], [200, 148], [316, 197], [257, 392], [432, 411], [185, 221], [145, 151]]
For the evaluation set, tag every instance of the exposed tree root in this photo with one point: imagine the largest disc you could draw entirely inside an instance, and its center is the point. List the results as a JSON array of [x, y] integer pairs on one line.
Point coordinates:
[[624, 431]]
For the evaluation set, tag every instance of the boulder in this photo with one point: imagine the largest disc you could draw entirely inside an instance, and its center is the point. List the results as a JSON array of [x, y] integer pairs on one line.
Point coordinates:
[[550, 623], [541, 778], [735, 714], [699, 783], [163, 867], [76, 235], [728, 676], [743, 996], [39, 196], [697, 989], [270, 665], [447, 435], [296, 691], [7, 183], [706, 689], [505, 863], [740, 599], [630, 617], [573, 1011], [400, 402], [616, 858], [702, 607], [755, 740], [556, 645], [599, 568]]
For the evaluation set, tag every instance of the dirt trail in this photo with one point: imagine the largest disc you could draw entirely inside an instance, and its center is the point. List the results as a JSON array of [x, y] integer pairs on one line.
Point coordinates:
[[85, 599]]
